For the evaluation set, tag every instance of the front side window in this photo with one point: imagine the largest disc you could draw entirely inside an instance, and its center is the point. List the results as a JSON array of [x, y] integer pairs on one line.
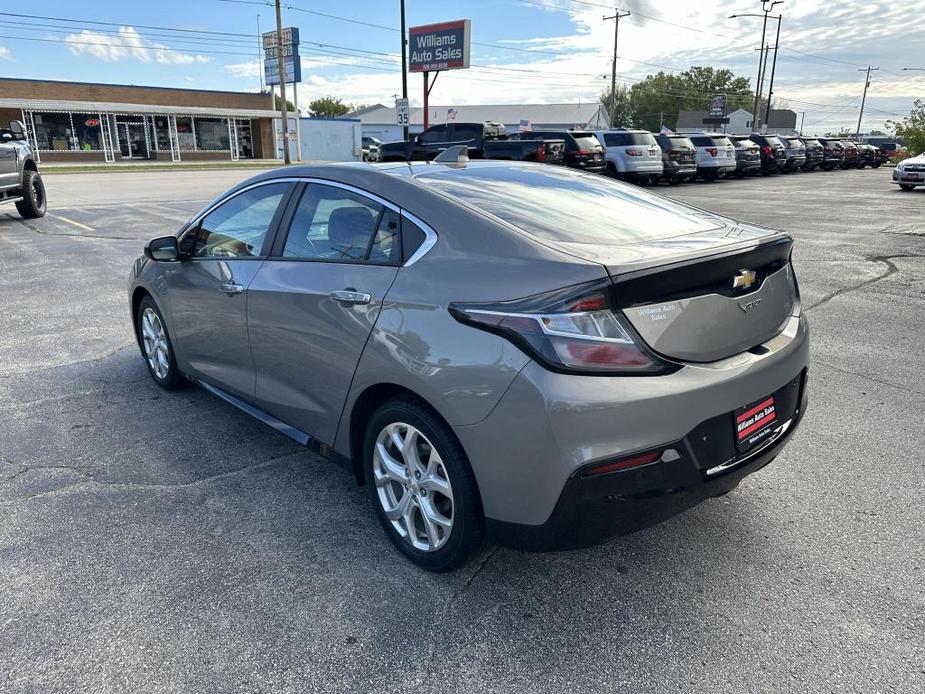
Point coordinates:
[[238, 227], [336, 224]]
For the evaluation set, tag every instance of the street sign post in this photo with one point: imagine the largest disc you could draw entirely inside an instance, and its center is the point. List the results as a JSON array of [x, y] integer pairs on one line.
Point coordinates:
[[402, 112], [438, 47]]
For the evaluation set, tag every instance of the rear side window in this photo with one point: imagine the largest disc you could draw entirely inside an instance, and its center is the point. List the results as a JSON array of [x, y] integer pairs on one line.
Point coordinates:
[[546, 202], [237, 228], [681, 143], [439, 133], [773, 142], [463, 133], [702, 141], [334, 224], [622, 139], [720, 141]]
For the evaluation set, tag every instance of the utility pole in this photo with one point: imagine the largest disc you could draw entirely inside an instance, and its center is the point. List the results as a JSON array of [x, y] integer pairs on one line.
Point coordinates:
[[857, 133], [404, 64], [767, 112], [282, 84], [613, 70], [766, 7], [802, 116]]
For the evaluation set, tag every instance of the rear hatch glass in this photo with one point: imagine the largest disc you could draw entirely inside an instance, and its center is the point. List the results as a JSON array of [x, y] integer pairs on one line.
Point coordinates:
[[586, 140], [555, 205]]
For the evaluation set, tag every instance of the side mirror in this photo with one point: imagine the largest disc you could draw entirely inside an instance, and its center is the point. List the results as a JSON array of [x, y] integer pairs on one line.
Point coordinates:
[[18, 130], [163, 250]]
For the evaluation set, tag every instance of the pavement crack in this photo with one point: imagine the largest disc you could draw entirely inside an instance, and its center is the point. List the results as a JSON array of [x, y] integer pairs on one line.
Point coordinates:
[[90, 480], [867, 377], [891, 269], [432, 649]]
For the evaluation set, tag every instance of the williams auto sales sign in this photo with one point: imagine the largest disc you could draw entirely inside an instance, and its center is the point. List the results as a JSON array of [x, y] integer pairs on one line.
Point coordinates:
[[443, 46]]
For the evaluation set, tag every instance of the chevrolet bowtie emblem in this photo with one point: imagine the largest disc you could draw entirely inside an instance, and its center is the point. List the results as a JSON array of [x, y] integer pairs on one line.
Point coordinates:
[[744, 279]]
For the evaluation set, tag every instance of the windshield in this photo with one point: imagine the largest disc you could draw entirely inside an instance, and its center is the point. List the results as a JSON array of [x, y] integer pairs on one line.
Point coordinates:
[[561, 205]]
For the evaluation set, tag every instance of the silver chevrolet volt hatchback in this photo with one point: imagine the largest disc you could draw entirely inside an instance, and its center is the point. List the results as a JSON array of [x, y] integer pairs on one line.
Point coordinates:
[[502, 352]]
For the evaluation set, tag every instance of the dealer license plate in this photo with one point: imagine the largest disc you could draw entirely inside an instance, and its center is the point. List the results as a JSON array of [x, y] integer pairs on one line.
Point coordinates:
[[754, 423]]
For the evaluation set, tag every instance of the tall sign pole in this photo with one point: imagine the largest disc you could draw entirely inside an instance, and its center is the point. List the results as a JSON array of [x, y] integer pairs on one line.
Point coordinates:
[[282, 84], [757, 104], [404, 66], [613, 68]]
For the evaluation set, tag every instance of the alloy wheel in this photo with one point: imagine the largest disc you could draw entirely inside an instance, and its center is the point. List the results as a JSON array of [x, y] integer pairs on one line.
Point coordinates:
[[154, 338], [413, 487]]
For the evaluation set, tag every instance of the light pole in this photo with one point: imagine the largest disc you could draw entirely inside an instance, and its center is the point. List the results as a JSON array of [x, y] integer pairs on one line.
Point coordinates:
[[857, 133], [767, 111], [766, 7]]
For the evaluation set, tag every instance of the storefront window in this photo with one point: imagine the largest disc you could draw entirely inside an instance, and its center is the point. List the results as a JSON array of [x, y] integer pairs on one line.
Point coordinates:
[[212, 134], [87, 133], [53, 131], [161, 133], [245, 138], [185, 135]]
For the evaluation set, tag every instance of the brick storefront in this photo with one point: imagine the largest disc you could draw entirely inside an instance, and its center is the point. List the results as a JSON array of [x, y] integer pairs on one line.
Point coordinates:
[[75, 121]]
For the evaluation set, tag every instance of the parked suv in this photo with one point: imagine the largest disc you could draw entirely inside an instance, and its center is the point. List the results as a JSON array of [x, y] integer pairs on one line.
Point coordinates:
[[500, 351], [582, 149], [867, 155], [371, 148], [716, 155], [631, 154], [20, 181], [795, 153], [814, 153], [679, 158], [486, 140], [748, 156], [773, 153], [852, 155], [833, 153]]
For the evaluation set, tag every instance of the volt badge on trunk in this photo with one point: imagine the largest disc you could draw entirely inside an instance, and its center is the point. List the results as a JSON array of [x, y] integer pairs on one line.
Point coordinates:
[[744, 279], [750, 305]]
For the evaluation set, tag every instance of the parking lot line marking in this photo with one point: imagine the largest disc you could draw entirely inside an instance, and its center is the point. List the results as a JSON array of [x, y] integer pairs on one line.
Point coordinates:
[[71, 221]]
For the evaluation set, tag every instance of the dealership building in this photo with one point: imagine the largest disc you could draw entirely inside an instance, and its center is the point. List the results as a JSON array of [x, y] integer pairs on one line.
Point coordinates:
[[88, 122]]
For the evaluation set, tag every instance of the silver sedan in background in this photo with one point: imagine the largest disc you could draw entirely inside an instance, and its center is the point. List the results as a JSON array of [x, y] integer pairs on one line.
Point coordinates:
[[505, 352]]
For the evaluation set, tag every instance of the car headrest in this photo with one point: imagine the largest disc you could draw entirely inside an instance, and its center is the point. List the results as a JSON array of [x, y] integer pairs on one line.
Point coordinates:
[[349, 229]]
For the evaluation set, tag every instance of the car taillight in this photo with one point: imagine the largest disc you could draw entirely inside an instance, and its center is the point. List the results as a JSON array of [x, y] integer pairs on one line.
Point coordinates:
[[711, 151], [766, 149], [572, 330], [584, 152], [621, 464], [634, 152], [674, 152], [541, 152]]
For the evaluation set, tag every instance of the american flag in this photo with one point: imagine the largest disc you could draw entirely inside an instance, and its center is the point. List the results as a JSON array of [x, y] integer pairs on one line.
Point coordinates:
[[451, 114]]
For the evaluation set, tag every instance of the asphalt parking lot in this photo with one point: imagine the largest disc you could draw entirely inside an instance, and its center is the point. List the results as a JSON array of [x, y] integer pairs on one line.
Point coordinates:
[[160, 542]]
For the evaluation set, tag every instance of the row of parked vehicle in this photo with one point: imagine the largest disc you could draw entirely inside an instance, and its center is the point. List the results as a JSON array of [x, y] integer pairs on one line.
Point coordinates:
[[638, 155], [645, 157]]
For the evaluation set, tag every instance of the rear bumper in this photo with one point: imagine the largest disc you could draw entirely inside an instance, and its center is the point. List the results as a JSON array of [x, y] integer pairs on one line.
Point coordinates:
[[674, 170], [596, 508], [548, 427], [644, 168]]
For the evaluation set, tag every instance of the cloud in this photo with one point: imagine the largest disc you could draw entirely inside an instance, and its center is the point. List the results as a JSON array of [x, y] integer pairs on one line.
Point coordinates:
[[5, 53], [128, 43], [240, 70]]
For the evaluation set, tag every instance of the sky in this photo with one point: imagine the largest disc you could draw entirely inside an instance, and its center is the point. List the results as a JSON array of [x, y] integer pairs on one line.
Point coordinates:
[[524, 51]]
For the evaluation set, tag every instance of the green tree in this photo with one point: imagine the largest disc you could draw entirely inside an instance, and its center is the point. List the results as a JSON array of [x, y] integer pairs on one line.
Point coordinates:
[[289, 105], [622, 115], [658, 98], [912, 128], [328, 107]]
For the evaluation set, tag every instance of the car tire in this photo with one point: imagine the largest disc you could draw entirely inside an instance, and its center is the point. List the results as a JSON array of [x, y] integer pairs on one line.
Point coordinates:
[[396, 481], [156, 347], [875, 166], [32, 205], [611, 170], [906, 186]]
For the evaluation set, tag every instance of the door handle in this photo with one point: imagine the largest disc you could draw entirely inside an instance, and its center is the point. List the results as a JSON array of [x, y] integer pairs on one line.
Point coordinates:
[[351, 297], [231, 288]]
